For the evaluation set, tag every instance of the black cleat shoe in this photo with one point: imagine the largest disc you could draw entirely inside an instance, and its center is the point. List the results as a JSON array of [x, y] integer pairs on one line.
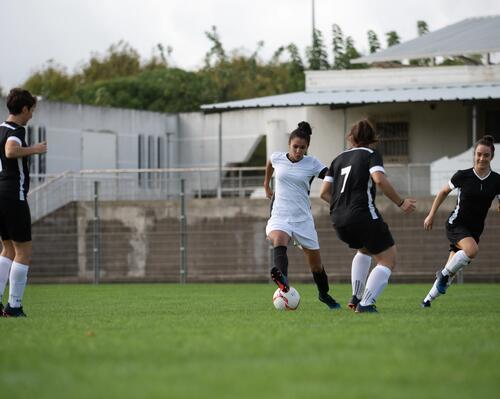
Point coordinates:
[[13, 312], [329, 301], [1, 309], [366, 309], [426, 304], [353, 302], [280, 279]]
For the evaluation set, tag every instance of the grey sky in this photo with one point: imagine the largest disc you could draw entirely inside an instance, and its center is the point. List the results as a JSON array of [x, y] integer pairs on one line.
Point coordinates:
[[68, 31]]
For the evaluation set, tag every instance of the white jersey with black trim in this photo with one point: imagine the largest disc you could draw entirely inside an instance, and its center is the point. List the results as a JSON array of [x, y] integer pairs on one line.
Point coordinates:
[[352, 190], [292, 186]]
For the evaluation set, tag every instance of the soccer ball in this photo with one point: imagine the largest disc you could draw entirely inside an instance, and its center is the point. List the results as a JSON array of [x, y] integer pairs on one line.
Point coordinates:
[[286, 300]]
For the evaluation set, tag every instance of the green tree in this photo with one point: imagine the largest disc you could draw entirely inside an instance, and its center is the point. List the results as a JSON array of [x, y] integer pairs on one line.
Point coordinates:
[[392, 38], [373, 42], [317, 56], [338, 47], [53, 83]]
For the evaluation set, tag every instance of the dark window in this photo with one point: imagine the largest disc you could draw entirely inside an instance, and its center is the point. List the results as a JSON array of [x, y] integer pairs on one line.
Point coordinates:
[[30, 140], [160, 150], [42, 158], [393, 141], [151, 152], [492, 123], [140, 156]]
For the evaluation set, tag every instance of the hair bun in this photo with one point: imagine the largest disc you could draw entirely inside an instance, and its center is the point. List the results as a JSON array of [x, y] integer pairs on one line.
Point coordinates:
[[305, 127], [489, 138]]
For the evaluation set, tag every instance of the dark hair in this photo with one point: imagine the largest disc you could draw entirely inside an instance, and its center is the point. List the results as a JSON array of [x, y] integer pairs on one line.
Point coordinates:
[[303, 131], [18, 99], [488, 141], [363, 133]]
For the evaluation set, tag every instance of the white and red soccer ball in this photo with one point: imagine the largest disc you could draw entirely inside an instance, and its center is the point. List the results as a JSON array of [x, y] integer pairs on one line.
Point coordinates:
[[286, 300]]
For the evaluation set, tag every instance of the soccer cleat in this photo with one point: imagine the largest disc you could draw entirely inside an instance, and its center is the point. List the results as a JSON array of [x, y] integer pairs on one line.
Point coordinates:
[[329, 301], [1, 309], [280, 279], [353, 302], [426, 304], [13, 312], [441, 283], [366, 309]]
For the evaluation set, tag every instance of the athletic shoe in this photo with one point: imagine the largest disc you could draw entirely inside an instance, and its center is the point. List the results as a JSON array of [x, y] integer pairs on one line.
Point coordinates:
[[280, 279], [426, 304], [1, 309], [366, 309], [441, 283], [329, 301], [353, 302], [13, 312]]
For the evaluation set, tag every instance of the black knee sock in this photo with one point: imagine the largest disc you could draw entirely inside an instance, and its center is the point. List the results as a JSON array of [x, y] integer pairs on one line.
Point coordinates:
[[321, 280], [281, 259]]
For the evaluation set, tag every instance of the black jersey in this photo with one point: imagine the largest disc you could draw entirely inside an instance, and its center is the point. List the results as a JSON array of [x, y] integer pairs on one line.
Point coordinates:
[[14, 172], [474, 198], [353, 191]]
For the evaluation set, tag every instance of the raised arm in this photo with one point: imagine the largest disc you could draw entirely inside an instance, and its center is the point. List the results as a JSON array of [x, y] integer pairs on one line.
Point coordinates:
[[440, 197], [407, 205], [267, 179]]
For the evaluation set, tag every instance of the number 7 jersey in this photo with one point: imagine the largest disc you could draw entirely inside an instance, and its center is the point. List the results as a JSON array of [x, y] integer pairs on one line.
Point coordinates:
[[352, 190]]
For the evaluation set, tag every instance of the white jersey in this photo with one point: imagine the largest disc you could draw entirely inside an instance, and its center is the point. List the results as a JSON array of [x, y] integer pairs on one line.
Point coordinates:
[[292, 185]]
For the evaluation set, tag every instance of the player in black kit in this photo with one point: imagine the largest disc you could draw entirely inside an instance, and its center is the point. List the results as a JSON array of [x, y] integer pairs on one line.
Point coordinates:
[[477, 187], [15, 218], [350, 187]]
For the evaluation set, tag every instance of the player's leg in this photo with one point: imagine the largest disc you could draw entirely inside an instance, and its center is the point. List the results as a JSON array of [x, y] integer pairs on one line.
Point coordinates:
[[434, 292], [6, 257], [378, 279], [359, 273], [279, 272], [320, 277]]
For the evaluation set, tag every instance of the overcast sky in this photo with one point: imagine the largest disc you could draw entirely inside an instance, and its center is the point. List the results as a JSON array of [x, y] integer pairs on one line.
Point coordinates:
[[69, 31]]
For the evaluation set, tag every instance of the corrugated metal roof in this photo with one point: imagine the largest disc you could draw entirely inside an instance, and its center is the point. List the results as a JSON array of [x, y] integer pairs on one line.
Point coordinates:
[[471, 36], [367, 96]]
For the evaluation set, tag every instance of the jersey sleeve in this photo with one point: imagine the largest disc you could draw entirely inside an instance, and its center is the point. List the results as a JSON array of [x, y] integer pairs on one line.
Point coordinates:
[[318, 167], [273, 157], [375, 163], [329, 174], [16, 135], [456, 180]]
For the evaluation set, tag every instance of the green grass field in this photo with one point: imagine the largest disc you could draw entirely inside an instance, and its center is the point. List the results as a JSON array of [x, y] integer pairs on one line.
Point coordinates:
[[227, 341]]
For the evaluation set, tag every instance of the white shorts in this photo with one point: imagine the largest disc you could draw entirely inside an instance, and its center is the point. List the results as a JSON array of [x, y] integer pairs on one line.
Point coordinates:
[[303, 232]]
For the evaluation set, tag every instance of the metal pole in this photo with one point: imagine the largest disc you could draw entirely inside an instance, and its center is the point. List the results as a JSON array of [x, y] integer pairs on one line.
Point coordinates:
[[97, 235], [474, 124], [313, 21], [219, 186], [183, 232]]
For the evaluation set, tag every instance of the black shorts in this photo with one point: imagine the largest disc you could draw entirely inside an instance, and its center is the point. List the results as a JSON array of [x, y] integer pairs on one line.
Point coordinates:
[[15, 220], [457, 232], [374, 235]]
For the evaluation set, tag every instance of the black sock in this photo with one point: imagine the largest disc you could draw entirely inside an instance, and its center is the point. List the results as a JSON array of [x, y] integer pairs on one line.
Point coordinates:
[[281, 259], [321, 280]]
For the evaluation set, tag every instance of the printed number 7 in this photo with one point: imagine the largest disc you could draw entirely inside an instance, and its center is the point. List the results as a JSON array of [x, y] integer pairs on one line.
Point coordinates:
[[345, 171]]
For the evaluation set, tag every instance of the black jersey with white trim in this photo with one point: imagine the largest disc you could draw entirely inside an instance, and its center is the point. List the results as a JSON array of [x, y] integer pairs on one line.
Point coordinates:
[[474, 198], [14, 172], [353, 190]]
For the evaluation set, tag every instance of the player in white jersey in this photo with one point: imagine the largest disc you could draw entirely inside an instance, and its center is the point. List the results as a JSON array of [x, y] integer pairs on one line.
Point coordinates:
[[291, 216], [477, 187], [349, 188]]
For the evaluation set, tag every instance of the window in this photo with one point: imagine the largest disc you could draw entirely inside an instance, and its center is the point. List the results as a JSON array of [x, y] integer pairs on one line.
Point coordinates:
[[160, 150], [393, 141], [140, 156], [42, 158], [30, 140]]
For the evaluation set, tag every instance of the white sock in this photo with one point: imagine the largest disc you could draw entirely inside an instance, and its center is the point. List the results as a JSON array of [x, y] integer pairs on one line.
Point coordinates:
[[359, 272], [5, 264], [17, 283], [433, 293], [459, 260], [377, 281]]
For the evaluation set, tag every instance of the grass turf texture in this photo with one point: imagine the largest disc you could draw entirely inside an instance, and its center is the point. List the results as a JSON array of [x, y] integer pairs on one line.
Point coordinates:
[[227, 341]]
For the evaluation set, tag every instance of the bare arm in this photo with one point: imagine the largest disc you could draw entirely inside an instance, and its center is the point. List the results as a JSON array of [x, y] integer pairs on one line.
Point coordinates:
[[325, 192], [407, 205], [267, 179], [14, 150], [440, 197]]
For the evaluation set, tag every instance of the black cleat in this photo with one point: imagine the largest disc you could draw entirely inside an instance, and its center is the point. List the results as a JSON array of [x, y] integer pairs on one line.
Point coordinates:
[[353, 302], [366, 309], [329, 301], [442, 283], [13, 312], [426, 304], [280, 279]]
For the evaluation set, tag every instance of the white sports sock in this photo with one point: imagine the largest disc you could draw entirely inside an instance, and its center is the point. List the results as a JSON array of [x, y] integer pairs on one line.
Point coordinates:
[[433, 293], [377, 281], [459, 260], [17, 283], [359, 272], [5, 264]]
